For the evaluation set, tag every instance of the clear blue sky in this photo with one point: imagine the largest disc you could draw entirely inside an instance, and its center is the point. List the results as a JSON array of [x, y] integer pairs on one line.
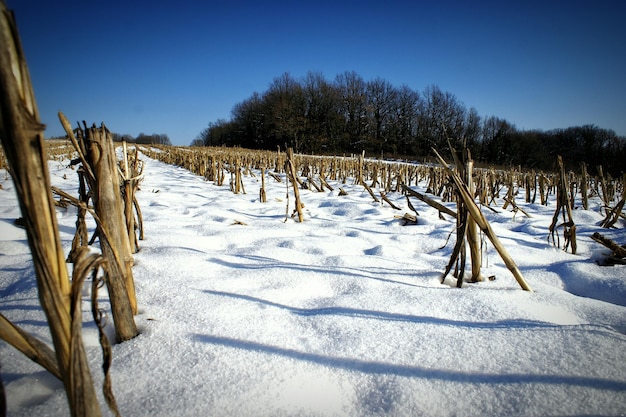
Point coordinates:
[[173, 67]]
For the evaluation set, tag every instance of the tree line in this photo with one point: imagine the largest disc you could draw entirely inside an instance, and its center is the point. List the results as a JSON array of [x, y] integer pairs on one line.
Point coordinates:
[[351, 115], [143, 139]]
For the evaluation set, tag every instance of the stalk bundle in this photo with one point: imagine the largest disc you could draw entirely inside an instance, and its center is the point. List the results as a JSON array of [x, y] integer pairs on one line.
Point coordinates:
[[97, 154], [466, 226], [564, 206], [615, 213], [465, 195], [131, 176]]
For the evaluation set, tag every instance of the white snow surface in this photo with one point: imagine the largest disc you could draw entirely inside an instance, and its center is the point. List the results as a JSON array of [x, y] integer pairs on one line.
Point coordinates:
[[341, 315]]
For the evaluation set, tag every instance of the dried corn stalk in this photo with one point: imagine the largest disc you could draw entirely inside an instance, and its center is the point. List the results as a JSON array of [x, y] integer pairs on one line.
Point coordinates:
[[22, 138], [132, 174], [95, 148], [482, 223], [563, 206], [292, 175], [615, 213]]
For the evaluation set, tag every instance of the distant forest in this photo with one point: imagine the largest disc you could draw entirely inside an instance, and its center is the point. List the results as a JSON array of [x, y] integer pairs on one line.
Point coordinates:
[[143, 139], [350, 115]]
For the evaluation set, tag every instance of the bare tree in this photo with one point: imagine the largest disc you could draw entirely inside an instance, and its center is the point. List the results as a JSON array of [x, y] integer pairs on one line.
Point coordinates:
[[496, 135], [251, 121], [322, 118], [405, 120], [353, 95], [285, 101], [381, 96], [442, 116], [472, 129]]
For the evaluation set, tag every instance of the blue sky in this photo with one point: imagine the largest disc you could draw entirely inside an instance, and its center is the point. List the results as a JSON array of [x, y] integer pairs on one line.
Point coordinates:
[[173, 67]]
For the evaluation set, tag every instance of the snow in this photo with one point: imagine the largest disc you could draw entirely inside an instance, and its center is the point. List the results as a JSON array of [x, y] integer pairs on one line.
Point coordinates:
[[341, 315]]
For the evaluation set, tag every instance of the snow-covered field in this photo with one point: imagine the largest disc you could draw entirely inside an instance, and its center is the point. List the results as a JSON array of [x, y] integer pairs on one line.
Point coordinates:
[[342, 315]]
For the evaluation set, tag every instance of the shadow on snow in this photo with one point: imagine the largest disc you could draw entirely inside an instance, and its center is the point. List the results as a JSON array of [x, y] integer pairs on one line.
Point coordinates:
[[382, 368]]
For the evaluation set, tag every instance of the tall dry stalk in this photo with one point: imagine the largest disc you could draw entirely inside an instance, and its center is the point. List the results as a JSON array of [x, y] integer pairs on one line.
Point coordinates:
[[605, 195], [473, 240], [128, 192], [262, 193], [291, 173], [21, 133], [564, 207], [584, 192], [132, 175]]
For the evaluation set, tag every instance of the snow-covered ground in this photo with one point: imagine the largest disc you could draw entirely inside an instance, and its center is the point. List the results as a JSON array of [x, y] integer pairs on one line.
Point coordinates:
[[342, 315]]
